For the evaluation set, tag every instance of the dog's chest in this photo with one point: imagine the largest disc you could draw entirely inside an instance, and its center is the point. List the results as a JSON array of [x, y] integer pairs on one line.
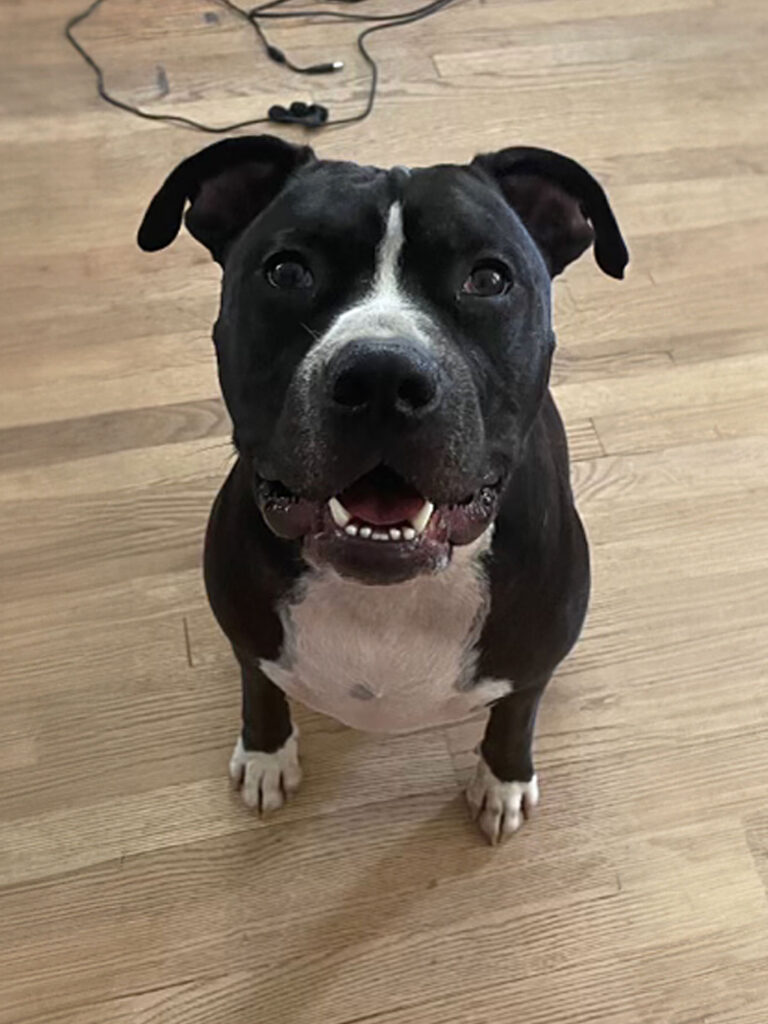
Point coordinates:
[[388, 659]]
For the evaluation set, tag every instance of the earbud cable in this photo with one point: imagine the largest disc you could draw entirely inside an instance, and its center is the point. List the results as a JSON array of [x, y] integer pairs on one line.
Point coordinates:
[[271, 10]]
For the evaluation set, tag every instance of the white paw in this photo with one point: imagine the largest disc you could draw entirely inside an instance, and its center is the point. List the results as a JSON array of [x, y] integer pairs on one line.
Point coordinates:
[[500, 807], [265, 780]]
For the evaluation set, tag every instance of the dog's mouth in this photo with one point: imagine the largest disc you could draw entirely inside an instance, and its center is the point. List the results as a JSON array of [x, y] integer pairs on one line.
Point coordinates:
[[380, 529]]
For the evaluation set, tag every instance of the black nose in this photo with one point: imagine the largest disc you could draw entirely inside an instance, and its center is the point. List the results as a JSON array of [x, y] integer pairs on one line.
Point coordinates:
[[384, 377]]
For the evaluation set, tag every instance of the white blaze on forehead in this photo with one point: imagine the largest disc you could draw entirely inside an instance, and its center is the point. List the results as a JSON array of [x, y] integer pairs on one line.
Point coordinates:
[[386, 310], [388, 256]]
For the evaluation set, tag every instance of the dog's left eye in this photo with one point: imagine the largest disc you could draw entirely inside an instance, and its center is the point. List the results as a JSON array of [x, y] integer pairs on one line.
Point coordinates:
[[287, 271], [489, 278]]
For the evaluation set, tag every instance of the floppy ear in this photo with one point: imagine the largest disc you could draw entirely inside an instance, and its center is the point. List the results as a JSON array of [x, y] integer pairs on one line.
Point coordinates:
[[563, 207], [227, 185]]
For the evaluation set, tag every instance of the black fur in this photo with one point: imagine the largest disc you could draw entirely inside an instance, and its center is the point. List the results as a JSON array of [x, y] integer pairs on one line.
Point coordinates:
[[536, 210]]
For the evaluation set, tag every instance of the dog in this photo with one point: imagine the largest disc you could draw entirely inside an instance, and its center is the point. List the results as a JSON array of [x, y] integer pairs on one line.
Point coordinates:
[[397, 544]]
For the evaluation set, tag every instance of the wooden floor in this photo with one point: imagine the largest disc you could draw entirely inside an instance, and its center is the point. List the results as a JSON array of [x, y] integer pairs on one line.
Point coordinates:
[[134, 888]]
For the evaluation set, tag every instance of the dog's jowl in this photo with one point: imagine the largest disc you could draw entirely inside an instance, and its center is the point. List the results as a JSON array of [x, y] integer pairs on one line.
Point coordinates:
[[397, 543]]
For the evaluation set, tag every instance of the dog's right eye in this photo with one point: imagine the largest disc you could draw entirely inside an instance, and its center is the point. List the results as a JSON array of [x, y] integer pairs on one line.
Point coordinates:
[[489, 278], [288, 272]]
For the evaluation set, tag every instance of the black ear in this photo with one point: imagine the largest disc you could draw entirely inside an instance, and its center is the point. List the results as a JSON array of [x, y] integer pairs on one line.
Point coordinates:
[[561, 204], [227, 185]]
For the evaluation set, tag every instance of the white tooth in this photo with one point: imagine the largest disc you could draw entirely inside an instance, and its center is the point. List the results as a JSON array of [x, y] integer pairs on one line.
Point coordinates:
[[378, 535], [351, 529], [395, 534], [339, 514], [365, 531], [419, 521], [409, 533]]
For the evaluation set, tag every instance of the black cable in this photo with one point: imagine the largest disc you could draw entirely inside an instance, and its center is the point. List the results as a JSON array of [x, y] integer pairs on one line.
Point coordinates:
[[269, 11], [387, 21], [130, 108], [274, 52], [265, 10]]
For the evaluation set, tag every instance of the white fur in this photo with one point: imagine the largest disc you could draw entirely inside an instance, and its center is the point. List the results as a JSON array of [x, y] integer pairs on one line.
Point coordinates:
[[385, 312], [500, 807], [265, 780], [388, 659]]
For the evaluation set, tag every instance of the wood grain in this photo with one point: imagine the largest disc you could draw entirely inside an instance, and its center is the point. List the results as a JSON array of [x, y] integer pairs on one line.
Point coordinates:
[[134, 888]]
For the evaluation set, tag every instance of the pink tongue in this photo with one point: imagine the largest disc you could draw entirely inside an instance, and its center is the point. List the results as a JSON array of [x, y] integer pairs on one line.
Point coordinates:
[[380, 507]]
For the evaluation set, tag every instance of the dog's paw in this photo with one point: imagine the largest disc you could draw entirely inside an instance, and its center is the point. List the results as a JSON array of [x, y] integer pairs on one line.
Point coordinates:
[[265, 780], [500, 807]]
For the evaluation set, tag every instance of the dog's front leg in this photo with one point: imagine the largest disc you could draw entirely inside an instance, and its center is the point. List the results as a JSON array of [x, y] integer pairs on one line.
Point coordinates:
[[505, 789], [265, 761]]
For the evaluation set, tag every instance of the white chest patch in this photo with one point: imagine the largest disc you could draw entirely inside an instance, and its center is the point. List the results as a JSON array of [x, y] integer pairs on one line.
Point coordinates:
[[388, 659]]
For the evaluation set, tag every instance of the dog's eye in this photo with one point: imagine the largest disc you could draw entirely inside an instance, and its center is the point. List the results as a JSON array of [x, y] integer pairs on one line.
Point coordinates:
[[287, 271], [487, 279]]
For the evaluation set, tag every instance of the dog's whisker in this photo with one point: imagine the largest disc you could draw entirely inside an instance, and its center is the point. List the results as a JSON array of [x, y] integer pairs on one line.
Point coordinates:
[[313, 334]]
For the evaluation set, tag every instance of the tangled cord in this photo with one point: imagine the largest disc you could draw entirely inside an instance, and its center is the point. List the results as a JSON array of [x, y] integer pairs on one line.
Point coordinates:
[[313, 116]]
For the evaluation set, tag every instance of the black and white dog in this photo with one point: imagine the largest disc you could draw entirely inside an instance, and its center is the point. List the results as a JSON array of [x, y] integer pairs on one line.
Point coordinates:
[[397, 544]]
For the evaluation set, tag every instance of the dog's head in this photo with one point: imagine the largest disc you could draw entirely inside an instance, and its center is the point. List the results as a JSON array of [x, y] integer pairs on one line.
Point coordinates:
[[384, 339]]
